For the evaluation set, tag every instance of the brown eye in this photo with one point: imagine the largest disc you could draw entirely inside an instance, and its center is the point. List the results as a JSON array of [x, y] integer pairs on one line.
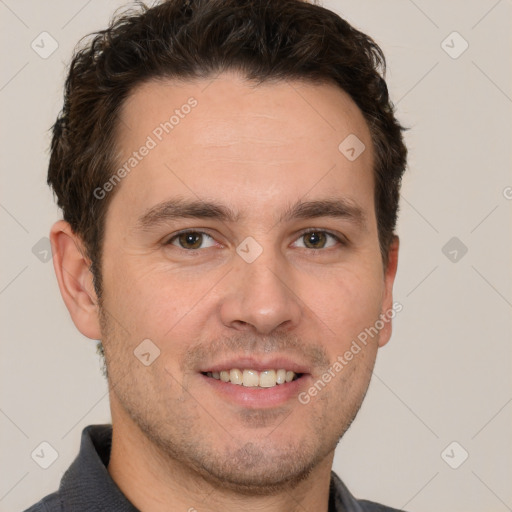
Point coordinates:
[[317, 239], [314, 239], [190, 240]]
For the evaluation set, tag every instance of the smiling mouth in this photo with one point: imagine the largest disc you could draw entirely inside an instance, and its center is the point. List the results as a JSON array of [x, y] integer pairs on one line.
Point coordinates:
[[253, 378]]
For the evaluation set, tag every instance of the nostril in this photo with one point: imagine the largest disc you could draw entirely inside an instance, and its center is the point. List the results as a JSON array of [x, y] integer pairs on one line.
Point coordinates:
[[241, 324]]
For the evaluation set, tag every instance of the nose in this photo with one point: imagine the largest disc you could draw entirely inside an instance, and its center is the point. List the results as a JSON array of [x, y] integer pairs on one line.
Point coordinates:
[[260, 296]]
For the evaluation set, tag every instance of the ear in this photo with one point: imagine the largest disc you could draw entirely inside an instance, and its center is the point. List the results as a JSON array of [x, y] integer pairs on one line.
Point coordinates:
[[75, 279], [387, 302]]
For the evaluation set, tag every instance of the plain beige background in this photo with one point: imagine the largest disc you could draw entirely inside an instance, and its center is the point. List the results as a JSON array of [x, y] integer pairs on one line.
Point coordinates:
[[446, 374]]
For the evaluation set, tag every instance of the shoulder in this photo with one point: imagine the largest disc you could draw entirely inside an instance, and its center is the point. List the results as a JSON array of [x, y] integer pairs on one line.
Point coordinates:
[[341, 499], [50, 503]]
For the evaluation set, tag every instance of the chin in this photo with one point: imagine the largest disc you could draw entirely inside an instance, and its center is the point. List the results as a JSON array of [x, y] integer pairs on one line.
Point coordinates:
[[260, 469]]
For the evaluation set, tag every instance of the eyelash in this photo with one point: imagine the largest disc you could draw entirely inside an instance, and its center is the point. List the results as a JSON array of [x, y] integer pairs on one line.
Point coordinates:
[[341, 240]]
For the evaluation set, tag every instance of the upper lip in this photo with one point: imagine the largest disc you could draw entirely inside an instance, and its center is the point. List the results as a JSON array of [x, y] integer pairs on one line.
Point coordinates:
[[256, 363]]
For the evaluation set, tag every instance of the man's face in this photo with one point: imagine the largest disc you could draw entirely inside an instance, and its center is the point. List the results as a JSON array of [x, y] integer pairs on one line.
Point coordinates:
[[251, 293]]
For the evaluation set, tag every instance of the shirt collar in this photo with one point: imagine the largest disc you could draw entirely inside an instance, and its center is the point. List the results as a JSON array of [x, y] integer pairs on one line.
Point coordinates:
[[87, 484]]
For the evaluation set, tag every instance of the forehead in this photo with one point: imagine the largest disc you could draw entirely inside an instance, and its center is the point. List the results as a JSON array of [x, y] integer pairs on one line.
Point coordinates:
[[253, 145]]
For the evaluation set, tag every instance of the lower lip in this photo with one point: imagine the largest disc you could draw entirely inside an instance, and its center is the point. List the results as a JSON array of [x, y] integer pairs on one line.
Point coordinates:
[[256, 397]]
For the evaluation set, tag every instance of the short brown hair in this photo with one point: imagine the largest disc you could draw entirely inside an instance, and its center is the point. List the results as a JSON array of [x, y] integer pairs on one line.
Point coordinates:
[[189, 39]]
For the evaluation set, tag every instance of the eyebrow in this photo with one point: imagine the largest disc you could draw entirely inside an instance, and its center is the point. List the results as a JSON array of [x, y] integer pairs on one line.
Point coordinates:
[[179, 208], [337, 208], [183, 208]]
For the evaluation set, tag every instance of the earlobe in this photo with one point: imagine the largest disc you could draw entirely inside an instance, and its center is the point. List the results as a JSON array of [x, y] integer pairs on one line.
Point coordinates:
[[387, 303], [75, 279]]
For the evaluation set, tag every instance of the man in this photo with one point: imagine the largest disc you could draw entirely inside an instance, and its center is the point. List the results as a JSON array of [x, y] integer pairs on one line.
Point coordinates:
[[229, 176]]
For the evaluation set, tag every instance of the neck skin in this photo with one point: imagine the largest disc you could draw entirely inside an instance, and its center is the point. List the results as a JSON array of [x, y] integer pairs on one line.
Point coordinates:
[[153, 482]]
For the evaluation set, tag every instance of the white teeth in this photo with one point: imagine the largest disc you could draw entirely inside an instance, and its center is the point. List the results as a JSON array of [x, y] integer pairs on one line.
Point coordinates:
[[268, 379], [253, 378], [236, 377]]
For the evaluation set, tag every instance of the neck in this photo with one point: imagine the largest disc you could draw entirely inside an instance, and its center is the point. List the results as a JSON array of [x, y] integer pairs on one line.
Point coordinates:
[[152, 481]]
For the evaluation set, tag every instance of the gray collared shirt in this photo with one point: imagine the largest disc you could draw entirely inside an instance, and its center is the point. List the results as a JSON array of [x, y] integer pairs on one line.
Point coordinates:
[[88, 486]]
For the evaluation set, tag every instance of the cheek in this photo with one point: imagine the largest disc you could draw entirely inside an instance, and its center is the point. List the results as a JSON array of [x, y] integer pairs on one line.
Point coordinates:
[[135, 298], [347, 301], [151, 301]]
